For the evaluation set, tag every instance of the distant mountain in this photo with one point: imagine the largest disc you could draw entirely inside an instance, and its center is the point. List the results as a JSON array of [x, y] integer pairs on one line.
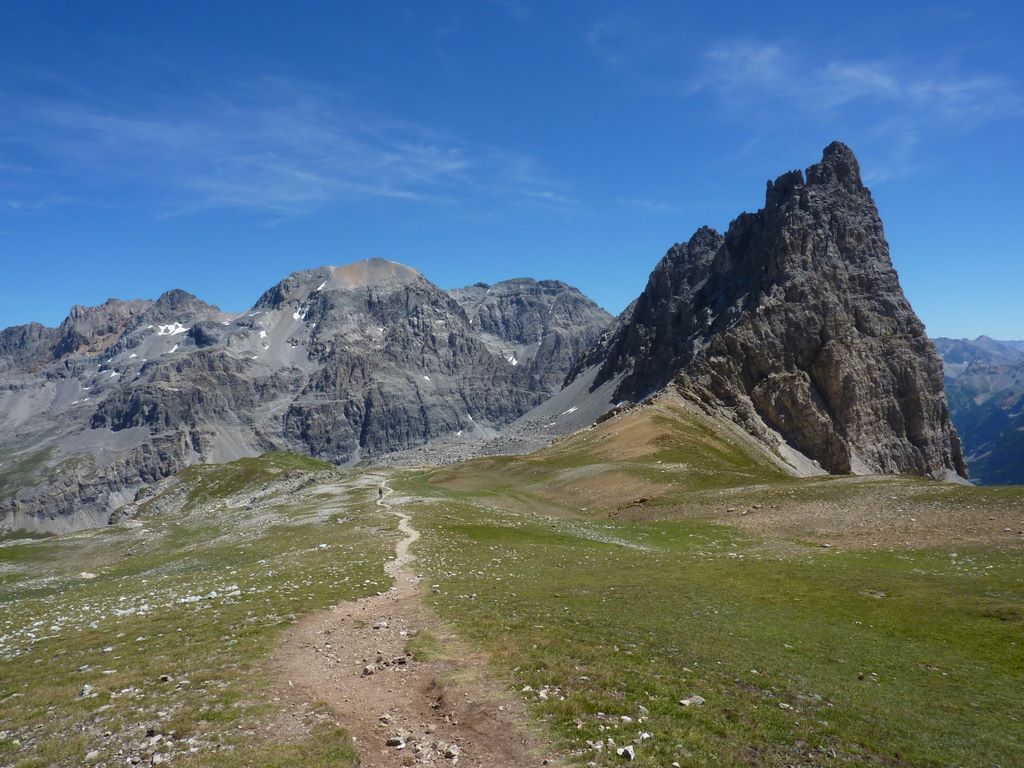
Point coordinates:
[[543, 325], [985, 388], [342, 363], [793, 324]]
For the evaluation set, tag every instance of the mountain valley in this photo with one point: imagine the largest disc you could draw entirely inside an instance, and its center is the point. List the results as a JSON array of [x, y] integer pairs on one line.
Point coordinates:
[[370, 522]]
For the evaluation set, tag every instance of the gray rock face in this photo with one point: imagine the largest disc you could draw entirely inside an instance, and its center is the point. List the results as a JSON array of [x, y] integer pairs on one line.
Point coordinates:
[[795, 323], [985, 389], [544, 325], [343, 363]]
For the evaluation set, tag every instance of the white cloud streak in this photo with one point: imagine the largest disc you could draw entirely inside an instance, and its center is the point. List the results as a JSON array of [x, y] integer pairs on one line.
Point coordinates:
[[742, 72], [273, 146]]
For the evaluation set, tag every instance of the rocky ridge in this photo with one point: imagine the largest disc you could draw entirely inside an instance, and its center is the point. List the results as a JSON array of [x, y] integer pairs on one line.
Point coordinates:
[[343, 363]]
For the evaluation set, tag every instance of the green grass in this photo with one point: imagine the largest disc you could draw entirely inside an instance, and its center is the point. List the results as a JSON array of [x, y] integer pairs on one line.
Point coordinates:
[[151, 610], [425, 646], [21, 468], [615, 616], [206, 482]]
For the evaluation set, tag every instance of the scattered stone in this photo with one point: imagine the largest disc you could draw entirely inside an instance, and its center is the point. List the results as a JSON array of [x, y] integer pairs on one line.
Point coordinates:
[[627, 752], [691, 701], [451, 752], [92, 756], [397, 742], [368, 670]]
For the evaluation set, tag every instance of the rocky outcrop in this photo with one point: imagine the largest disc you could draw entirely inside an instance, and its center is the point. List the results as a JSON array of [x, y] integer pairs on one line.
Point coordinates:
[[794, 323]]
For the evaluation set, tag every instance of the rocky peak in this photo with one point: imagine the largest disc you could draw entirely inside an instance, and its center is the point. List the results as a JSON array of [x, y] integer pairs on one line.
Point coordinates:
[[91, 330], [796, 325], [522, 310], [838, 167], [544, 326], [375, 272], [377, 275]]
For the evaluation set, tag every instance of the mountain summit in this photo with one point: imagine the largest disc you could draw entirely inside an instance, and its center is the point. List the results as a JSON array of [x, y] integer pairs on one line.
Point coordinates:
[[794, 324]]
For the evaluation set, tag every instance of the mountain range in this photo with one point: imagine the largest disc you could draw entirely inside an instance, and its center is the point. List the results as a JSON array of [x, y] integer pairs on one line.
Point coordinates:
[[985, 389], [792, 324]]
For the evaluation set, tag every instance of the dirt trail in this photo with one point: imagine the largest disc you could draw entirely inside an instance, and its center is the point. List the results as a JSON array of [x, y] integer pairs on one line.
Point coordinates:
[[399, 710]]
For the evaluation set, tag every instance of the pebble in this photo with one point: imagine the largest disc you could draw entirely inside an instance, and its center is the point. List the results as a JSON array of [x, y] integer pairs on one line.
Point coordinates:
[[690, 701]]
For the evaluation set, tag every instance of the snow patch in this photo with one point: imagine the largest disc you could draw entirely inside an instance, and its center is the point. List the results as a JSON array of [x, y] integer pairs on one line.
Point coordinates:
[[512, 360], [263, 334], [132, 355], [170, 330], [114, 374], [571, 410], [321, 286], [426, 378], [172, 349]]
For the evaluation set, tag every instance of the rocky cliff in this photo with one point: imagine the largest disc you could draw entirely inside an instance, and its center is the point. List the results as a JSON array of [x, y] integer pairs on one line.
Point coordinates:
[[543, 326], [343, 363], [795, 324]]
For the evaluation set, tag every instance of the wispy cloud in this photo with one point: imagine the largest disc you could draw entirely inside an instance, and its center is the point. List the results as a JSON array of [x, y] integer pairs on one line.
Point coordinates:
[[274, 145], [891, 106], [514, 9], [741, 72]]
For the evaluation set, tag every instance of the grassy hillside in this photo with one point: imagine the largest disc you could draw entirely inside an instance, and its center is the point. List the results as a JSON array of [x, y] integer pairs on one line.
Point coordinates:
[[659, 556], [152, 637], [655, 557]]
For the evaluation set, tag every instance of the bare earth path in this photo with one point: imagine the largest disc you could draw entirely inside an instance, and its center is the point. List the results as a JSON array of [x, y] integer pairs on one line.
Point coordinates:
[[399, 710]]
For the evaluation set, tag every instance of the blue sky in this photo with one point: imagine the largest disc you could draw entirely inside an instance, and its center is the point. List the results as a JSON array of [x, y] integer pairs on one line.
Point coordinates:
[[218, 146]]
